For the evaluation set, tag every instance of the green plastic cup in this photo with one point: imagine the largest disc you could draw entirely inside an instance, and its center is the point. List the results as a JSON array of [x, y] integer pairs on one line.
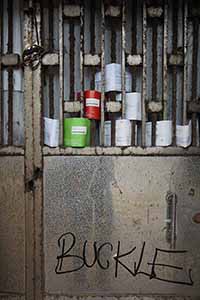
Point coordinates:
[[76, 132]]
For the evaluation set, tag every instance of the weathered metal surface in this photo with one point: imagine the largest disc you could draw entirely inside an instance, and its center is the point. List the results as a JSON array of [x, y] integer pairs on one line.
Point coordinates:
[[144, 70], [110, 199], [102, 72], [61, 71], [38, 167], [12, 225], [29, 166]]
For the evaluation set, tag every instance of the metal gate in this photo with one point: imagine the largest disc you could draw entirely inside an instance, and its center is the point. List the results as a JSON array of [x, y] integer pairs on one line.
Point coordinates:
[[117, 222]]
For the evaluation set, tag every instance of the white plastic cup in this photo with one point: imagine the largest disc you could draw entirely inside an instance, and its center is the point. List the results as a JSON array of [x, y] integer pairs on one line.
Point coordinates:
[[107, 133], [163, 133], [123, 133], [51, 132], [148, 135], [133, 106], [184, 135]]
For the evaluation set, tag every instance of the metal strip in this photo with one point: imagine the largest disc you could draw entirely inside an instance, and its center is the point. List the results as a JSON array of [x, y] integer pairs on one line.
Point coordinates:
[[61, 69], [38, 167], [102, 71], [165, 40], [144, 71], [154, 78], [50, 69], [92, 40], [10, 73], [1, 95], [134, 52], [194, 77], [123, 62], [174, 73], [92, 27], [185, 78], [82, 53], [113, 43], [72, 60], [28, 166]]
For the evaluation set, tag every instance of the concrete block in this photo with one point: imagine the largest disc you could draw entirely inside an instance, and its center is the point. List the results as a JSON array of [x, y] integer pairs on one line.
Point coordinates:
[[92, 60], [154, 12], [113, 106], [113, 11], [50, 59], [154, 106], [71, 11], [175, 60], [72, 106], [134, 60], [12, 59]]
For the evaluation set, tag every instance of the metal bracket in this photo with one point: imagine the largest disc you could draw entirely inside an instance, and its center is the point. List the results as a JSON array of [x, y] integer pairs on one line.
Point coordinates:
[[171, 199]]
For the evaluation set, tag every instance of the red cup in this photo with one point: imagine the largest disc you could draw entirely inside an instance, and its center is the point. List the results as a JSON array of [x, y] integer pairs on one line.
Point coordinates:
[[92, 105]]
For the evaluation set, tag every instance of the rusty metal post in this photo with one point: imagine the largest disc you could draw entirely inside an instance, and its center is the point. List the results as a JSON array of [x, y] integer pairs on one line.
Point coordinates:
[[185, 78], [165, 77], [102, 71], [123, 60], [154, 78], [10, 73], [51, 71], [38, 171], [28, 166], [144, 71], [72, 60], [1, 94], [82, 54], [194, 77], [174, 74], [61, 70], [134, 51]]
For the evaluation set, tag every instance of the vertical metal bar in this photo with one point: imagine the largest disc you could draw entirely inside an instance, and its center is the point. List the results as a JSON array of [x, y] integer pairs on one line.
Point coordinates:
[[154, 78], [133, 127], [174, 73], [61, 69], [102, 71], [92, 27], [144, 71], [51, 73], [10, 73], [1, 95], [134, 51], [92, 40], [82, 53], [123, 62], [28, 165], [194, 77], [72, 60], [113, 43], [38, 167], [93, 133], [185, 75], [165, 39]]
